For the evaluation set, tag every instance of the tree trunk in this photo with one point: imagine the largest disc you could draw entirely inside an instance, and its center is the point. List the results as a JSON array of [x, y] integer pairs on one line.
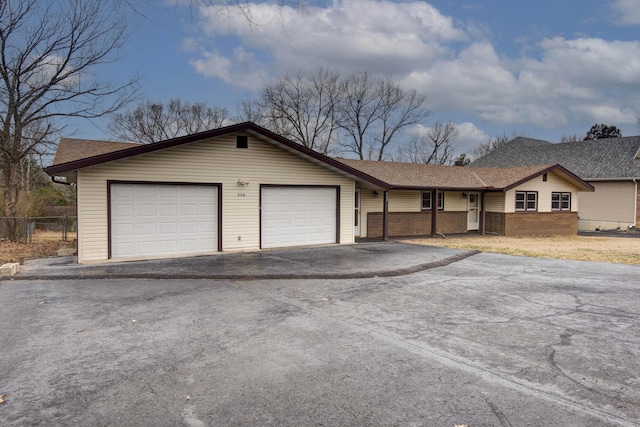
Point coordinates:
[[11, 192]]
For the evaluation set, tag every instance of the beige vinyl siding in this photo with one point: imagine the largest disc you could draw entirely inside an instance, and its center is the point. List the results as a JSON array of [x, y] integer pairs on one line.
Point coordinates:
[[611, 205], [454, 201], [494, 202], [405, 201], [368, 203], [554, 183], [210, 161]]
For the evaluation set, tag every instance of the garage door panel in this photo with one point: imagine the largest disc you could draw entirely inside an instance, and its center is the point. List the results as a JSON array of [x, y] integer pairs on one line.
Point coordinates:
[[296, 216], [163, 219], [148, 229], [146, 210], [148, 192], [207, 227], [167, 209], [167, 192], [168, 228], [145, 248], [123, 210]]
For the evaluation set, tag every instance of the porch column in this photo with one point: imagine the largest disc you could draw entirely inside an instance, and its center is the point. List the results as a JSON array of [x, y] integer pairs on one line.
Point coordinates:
[[385, 215], [434, 211], [483, 216]]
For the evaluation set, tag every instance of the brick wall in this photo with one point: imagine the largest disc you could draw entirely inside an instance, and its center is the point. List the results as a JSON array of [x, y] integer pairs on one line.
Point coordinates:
[[452, 222], [494, 223], [406, 224], [540, 223]]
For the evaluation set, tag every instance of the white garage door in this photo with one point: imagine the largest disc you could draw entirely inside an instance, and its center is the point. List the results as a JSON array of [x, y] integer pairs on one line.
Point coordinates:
[[295, 216], [163, 220]]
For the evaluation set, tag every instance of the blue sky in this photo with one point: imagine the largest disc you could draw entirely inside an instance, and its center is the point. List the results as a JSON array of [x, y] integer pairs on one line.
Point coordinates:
[[543, 69]]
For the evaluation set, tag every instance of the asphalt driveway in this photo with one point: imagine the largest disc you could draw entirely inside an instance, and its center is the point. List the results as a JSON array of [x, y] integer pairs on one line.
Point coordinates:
[[484, 340]]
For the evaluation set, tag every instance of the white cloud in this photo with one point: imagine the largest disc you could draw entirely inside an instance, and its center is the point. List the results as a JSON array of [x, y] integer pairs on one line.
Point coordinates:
[[240, 69], [589, 61], [627, 12], [542, 91], [391, 38], [606, 113], [469, 137], [561, 81]]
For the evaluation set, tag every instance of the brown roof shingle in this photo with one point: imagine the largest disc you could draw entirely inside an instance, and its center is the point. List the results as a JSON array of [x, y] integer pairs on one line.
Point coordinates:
[[75, 153], [411, 175], [70, 149]]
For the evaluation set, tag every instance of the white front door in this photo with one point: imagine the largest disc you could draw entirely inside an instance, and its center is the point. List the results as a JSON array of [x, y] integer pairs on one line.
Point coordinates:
[[356, 215], [473, 211]]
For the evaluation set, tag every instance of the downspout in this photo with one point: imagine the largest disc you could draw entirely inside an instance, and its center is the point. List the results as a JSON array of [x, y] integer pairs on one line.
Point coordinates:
[[635, 216], [434, 212], [483, 216]]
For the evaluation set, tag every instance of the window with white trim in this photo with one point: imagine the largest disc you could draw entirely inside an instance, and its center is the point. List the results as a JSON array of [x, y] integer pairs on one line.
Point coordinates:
[[526, 201], [560, 201], [426, 200]]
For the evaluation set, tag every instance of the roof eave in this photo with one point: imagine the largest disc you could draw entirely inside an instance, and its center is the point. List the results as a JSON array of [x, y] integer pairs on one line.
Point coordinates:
[[444, 188]]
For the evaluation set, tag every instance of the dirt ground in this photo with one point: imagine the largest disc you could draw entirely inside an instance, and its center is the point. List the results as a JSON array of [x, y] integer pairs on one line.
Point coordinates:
[[44, 244], [18, 252], [583, 248]]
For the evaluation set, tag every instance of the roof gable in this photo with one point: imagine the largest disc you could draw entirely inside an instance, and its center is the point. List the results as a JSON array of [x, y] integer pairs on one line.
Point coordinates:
[[101, 154]]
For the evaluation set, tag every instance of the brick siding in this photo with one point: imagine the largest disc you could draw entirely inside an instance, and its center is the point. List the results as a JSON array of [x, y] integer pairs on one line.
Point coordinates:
[[452, 222], [411, 224], [408, 224], [541, 224], [494, 223]]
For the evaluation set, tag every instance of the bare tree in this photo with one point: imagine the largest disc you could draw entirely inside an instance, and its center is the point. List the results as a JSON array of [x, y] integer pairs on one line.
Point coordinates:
[[570, 138], [371, 112], [493, 143], [154, 121], [249, 110], [48, 50], [302, 107], [433, 147]]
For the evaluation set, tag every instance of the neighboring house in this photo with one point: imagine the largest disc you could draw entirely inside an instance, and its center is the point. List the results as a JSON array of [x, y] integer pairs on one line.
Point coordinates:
[[611, 166], [243, 187]]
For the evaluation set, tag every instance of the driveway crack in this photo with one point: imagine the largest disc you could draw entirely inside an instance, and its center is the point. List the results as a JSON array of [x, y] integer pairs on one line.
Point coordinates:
[[504, 421]]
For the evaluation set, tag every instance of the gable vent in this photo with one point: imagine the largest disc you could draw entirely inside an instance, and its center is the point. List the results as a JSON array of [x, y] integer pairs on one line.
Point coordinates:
[[242, 141]]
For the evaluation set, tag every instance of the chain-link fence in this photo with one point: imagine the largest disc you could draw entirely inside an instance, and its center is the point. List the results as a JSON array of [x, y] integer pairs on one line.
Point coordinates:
[[27, 229]]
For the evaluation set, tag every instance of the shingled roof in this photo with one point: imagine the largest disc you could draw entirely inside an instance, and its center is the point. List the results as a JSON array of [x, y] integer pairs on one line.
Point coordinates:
[[74, 154], [601, 159], [70, 149], [420, 176]]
